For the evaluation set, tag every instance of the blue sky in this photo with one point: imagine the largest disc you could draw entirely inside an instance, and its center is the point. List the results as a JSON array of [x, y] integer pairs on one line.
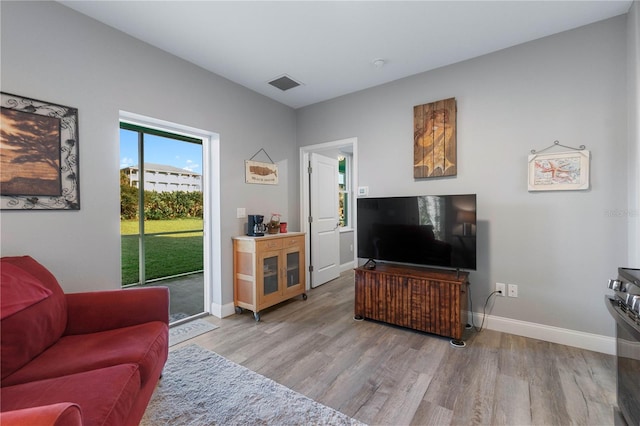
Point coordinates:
[[159, 150]]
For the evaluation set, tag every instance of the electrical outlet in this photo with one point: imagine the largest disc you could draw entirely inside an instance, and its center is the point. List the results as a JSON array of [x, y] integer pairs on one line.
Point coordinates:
[[513, 290], [501, 288], [241, 213]]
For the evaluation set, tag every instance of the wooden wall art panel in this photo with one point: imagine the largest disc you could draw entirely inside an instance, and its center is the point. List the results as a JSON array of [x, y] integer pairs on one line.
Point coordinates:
[[434, 139]]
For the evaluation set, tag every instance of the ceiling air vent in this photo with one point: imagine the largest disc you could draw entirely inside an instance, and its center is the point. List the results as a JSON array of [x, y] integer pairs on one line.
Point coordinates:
[[284, 83]]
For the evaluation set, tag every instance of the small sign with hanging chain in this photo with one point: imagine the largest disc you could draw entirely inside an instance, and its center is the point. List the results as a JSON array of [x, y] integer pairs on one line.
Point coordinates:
[[261, 173], [559, 171]]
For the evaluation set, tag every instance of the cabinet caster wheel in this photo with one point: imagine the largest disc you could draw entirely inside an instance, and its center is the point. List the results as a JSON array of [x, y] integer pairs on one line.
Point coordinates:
[[304, 296], [238, 310], [256, 316]]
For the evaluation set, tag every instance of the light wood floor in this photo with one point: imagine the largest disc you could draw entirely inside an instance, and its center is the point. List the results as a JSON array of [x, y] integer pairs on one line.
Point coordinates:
[[381, 374]]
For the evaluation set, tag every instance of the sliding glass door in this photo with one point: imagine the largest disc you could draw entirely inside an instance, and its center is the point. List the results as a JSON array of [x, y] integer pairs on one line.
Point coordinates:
[[161, 212]]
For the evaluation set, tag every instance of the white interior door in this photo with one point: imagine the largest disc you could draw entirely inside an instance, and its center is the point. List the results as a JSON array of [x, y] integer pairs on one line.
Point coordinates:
[[324, 226]]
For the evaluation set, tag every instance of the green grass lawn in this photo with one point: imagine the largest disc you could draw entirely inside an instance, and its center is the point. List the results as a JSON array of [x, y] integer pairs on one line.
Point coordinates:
[[166, 255]]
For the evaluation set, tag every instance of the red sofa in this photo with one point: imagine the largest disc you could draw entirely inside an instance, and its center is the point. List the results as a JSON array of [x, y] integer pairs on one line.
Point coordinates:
[[84, 358]]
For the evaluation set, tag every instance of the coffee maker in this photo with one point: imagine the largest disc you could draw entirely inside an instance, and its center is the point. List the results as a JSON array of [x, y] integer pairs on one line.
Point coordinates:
[[256, 226]]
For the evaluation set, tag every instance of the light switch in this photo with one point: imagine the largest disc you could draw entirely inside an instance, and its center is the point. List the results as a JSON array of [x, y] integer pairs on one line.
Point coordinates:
[[241, 213]]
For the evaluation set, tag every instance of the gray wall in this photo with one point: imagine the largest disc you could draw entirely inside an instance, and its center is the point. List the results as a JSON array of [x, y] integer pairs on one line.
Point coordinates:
[[347, 247], [54, 54], [558, 247]]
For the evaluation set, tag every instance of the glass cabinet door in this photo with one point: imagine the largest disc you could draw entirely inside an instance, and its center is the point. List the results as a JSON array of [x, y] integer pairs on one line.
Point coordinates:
[[293, 269], [270, 270]]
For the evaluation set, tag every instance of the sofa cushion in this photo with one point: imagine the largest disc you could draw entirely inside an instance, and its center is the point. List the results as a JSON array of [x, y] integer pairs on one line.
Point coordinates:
[[19, 290], [144, 344], [105, 396], [28, 332], [61, 414]]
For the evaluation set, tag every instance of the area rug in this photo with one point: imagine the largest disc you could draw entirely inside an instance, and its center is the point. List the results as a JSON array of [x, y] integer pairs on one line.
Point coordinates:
[[177, 316], [199, 387], [189, 330]]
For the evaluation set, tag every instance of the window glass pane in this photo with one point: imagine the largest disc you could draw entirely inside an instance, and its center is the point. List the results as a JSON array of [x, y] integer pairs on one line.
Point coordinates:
[[173, 254], [172, 165], [343, 192], [346, 209], [129, 229], [129, 253], [172, 202], [270, 275], [343, 211], [129, 176], [293, 269], [342, 174]]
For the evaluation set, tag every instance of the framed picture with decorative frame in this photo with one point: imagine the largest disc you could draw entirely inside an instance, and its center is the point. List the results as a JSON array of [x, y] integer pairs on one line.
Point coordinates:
[[559, 171], [39, 163]]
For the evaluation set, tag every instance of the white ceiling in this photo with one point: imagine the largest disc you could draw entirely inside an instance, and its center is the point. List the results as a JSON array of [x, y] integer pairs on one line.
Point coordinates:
[[330, 46]]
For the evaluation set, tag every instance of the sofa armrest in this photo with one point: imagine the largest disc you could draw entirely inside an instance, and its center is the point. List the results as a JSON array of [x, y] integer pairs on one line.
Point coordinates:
[[61, 414], [107, 310]]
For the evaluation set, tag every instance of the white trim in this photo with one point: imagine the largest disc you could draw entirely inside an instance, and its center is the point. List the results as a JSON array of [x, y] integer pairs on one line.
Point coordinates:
[[211, 198], [213, 229], [223, 311], [347, 266], [304, 212], [563, 336], [304, 191]]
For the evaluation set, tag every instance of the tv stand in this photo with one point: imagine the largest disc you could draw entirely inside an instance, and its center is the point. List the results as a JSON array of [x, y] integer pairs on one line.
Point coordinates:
[[430, 300]]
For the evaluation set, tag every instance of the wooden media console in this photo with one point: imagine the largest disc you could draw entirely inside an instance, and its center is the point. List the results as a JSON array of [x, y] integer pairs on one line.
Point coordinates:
[[430, 300]]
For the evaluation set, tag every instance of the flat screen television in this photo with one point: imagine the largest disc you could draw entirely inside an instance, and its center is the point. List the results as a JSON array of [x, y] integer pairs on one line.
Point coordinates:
[[426, 230]]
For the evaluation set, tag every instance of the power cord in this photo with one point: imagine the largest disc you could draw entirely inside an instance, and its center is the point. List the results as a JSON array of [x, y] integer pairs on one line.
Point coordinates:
[[484, 310]]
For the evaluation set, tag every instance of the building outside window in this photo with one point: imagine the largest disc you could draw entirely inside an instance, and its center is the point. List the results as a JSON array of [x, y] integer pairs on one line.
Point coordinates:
[[162, 178]]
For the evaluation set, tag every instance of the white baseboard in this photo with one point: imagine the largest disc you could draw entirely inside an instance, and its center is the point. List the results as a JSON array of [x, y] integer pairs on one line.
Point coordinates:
[[347, 266], [563, 336], [222, 311]]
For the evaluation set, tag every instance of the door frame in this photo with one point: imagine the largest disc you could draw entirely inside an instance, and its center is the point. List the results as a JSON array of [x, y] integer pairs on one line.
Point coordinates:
[[304, 193], [211, 201]]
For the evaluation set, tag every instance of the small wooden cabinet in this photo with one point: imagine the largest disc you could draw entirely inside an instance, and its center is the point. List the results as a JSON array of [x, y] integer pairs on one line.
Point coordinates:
[[430, 300], [267, 270]]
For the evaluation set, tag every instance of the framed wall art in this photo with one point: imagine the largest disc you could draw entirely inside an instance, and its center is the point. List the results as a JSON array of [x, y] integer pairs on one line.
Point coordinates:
[[257, 172], [434, 139], [38, 155], [559, 171]]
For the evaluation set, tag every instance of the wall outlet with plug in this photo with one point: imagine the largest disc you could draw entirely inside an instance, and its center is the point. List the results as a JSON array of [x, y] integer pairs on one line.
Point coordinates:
[[501, 288]]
